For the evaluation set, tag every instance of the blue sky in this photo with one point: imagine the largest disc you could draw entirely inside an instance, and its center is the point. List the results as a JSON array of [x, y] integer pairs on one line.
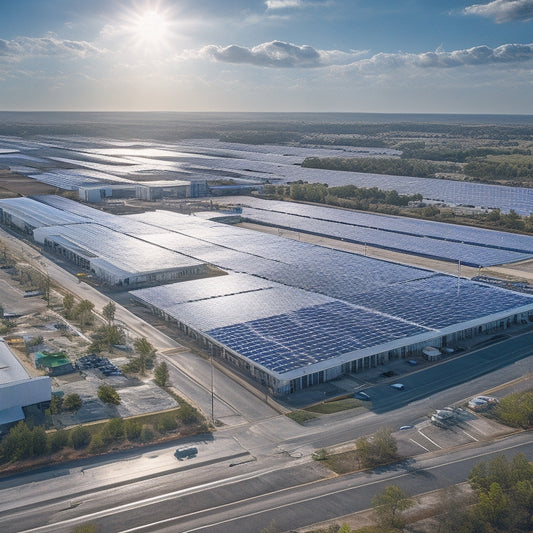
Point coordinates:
[[427, 56]]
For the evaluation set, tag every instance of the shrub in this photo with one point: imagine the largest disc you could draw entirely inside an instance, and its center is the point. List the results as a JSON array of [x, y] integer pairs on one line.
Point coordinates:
[[108, 394], [80, 437], [72, 402], [147, 434], [98, 443], [113, 430], [132, 429], [167, 422], [188, 414], [58, 440]]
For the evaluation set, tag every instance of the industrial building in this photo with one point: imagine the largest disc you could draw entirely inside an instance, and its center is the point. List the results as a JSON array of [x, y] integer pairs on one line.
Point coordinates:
[[156, 190], [19, 392], [288, 314], [115, 258], [289, 339]]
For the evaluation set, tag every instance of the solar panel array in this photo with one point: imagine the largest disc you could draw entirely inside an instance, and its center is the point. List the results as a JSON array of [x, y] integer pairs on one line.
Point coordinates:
[[122, 160], [310, 335], [38, 215], [468, 254], [296, 304], [396, 224], [124, 252]]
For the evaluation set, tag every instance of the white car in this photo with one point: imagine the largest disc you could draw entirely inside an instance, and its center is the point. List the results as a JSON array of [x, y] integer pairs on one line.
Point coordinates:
[[398, 386]]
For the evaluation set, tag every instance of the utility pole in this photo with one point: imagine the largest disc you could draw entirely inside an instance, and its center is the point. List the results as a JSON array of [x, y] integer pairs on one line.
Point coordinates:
[[212, 390]]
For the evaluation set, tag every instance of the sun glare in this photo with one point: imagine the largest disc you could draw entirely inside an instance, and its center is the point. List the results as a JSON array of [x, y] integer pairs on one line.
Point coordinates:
[[150, 28]]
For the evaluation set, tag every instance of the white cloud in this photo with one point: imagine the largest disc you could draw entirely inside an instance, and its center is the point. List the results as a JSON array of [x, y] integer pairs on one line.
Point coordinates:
[[277, 54], [503, 10], [23, 47], [507, 54], [283, 4]]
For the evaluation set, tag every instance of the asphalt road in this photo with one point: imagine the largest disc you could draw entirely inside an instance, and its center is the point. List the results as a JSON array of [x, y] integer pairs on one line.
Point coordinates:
[[459, 370], [291, 496]]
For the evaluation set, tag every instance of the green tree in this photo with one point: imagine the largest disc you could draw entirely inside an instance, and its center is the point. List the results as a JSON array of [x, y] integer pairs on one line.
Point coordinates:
[[80, 437], [18, 443], [83, 312], [516, 409], [105, 337], [56, 404], [382, 448], [109, 312], [57, 440], [108, 394], [68, 304], [39, 441], [132, 429], [113, 431], [188, 414], [146, 353], [72, 402], [389, 506], [161, 375]]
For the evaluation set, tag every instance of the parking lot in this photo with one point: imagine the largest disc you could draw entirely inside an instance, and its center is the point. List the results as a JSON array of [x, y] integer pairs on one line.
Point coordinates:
[[463, 428]]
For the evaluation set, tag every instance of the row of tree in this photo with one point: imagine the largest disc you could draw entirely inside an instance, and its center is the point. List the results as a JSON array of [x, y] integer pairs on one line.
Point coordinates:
[[373, 165], [343, 196], [501, 502]]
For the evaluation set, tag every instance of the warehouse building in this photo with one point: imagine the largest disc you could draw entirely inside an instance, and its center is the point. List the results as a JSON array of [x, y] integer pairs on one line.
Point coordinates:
[[114, 258], [156, 190], [19, 392], [24, 214], [288, 339]]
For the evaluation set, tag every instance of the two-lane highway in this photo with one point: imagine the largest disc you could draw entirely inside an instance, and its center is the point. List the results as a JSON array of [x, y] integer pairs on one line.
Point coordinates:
[[293, 496]]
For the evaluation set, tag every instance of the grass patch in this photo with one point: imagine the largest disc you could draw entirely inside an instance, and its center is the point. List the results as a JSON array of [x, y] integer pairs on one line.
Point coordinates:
[[342, 463], [335, 406], [301, 416]]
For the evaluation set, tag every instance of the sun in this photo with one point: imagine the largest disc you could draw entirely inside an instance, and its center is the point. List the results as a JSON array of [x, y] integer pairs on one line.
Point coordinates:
[[150, 29]]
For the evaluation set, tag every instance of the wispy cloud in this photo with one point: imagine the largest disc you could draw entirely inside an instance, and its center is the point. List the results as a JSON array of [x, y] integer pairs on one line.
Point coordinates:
[[283, 4], [278, 54], [22, 47], [503, 10]]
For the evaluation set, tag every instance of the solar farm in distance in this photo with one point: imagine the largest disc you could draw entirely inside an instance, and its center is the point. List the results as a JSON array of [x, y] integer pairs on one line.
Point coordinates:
[[288, 314]]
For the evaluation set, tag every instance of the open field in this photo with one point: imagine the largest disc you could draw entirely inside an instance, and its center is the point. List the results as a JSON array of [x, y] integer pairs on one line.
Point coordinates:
[[13, 185]]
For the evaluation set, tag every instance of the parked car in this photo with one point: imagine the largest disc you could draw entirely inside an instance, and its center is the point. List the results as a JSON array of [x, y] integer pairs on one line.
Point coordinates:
[[362, 395], [398, 386]]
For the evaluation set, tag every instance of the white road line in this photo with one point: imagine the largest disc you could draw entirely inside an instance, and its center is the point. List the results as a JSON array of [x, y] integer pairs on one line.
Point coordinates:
[[471, 436], [430, 440], [415, 442]]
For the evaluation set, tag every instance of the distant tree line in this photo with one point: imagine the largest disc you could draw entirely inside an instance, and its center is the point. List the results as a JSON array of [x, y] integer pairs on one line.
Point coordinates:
[[500, 170], [348, 196], [419, 150], [374, 165]]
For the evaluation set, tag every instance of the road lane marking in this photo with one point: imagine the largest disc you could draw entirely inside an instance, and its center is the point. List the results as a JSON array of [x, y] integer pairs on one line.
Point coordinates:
[[430, 440], [415, 442]]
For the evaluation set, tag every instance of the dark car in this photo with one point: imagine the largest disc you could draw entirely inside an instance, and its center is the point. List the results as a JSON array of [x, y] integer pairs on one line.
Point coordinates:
[[186, 453]]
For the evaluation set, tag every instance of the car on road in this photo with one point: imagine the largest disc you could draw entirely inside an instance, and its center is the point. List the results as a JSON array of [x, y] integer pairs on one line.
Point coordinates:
[[186, 453], [412, 362], [398, 386], [362, 395]]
